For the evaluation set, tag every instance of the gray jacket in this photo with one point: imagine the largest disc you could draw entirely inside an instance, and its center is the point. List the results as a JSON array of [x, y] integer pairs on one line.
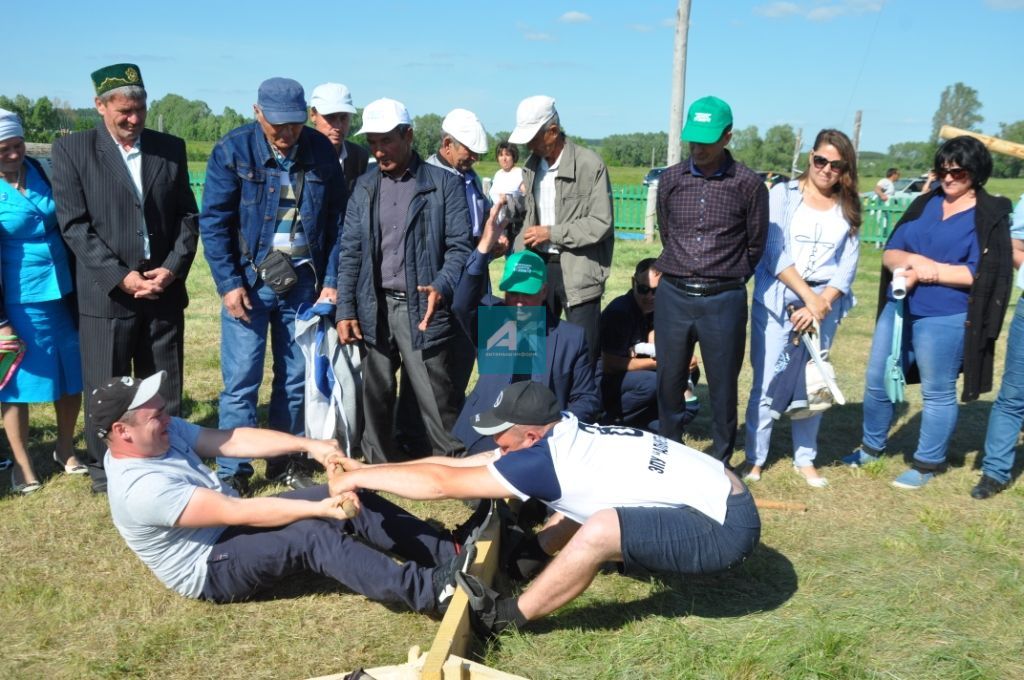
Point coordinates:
[[584, 230]]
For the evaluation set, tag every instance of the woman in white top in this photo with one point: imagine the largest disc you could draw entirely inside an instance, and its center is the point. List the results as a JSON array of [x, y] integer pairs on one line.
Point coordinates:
[[810, 258], [509, 178]]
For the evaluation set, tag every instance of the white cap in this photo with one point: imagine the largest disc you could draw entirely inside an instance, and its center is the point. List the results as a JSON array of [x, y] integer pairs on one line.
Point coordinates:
[[467, 130], [384, 115], [531, 114], [332, 98]]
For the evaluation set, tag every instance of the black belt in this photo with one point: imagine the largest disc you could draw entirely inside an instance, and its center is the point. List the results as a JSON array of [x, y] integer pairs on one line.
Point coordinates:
[[815, 284], [396, 294], [695, 288]]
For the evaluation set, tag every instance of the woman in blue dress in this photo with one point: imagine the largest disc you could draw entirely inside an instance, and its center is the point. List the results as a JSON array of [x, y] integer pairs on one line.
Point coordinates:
[[35, 277]]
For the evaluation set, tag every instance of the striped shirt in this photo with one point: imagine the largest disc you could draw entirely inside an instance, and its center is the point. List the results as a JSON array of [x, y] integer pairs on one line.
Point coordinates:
[[711, 227]]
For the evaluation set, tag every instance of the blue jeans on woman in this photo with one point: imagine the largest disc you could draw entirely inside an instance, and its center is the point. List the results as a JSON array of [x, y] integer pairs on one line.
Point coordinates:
[[936, 345], [1007, 413]]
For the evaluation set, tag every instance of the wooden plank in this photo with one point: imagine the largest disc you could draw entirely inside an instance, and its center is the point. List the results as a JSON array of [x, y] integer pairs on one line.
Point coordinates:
[[992, 143], [455, 635]]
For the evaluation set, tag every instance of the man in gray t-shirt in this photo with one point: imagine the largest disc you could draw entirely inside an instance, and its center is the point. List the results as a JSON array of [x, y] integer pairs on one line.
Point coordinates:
[[203, 541]]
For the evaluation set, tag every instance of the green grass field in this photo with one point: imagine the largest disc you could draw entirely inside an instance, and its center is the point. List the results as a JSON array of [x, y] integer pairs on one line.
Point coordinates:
[[870, 582]]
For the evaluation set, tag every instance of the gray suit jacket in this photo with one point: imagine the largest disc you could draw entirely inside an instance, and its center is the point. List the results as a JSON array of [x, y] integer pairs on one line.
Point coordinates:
[[99, 215]]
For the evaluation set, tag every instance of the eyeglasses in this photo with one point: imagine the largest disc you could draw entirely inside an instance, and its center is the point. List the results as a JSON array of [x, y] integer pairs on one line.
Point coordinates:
[[644, 289], [838, 166], [958, 174]]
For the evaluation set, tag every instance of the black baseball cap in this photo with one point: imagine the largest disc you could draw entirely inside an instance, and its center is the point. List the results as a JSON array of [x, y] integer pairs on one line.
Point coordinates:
[[521, 403], [118, 396]]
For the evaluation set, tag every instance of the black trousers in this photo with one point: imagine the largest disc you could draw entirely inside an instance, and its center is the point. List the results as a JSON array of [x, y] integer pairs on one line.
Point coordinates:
[[429, 376], [719, 324], [586, 315], [138, 346]]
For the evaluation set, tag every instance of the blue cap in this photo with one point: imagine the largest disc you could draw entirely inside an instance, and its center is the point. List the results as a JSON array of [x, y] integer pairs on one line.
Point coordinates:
[[282, 101]]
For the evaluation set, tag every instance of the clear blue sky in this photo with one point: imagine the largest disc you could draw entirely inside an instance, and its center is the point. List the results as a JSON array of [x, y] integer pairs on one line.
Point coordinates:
[[809, 63]]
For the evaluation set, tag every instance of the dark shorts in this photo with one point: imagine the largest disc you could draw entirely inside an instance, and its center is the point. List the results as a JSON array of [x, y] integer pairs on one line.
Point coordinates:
[[685, 541]]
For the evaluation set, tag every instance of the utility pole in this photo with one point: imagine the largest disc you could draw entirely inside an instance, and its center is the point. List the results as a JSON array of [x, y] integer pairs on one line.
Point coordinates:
[[796, 152], [675, 125], [856, 133]]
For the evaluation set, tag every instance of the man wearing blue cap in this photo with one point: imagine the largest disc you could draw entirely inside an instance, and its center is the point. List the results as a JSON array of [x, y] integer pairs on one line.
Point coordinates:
[[127, 212], [272, 209], [713, 217]]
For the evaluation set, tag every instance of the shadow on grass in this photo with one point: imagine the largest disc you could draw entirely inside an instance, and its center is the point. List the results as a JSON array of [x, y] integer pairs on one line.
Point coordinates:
[[969, 435], [765, 581]]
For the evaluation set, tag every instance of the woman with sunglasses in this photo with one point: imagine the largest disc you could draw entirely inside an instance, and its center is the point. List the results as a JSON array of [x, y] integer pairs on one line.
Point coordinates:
[[953, 244], [809, 262]]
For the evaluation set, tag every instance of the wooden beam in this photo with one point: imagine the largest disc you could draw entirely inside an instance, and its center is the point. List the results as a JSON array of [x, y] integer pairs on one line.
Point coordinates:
[[455, 634], [994, 144]]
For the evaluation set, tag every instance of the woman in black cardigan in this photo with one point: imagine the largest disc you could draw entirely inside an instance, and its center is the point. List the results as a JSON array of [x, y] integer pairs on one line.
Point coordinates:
[[954, 247]]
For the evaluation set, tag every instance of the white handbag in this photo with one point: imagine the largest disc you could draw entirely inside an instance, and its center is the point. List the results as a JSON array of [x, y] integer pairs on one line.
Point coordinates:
[[820, 376]]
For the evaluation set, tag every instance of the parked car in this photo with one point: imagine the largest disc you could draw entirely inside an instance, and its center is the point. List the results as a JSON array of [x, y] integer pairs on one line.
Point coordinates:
[[652, 175]]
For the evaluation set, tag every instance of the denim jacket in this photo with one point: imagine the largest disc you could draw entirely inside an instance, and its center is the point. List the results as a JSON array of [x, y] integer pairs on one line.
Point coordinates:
[[240, 195]]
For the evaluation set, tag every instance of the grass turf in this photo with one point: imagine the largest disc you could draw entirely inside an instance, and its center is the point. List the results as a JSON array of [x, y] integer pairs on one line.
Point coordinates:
[[871, 582]]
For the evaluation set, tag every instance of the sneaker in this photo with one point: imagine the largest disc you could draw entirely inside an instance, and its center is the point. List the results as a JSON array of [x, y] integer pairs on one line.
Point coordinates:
[[745, 471], [444, 575], [470, 530], [858, 458], [483, 606], [294, 476], [987, 487], [912, 479], [240, 483]]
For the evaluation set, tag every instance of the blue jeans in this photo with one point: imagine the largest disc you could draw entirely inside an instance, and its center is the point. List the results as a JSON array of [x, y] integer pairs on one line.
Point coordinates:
[[1007, 413], [243, 347], [936, 345]]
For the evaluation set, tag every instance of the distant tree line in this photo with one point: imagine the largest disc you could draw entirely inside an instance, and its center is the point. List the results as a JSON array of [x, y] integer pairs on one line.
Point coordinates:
[[192, 119]]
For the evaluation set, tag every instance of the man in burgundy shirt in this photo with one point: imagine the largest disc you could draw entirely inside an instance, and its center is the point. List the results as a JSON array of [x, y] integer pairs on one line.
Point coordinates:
[[713, 216]]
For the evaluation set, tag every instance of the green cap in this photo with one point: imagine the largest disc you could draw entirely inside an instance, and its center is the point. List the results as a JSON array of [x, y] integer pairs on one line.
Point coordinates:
[[525, 272], [706, 121], [117, 75]]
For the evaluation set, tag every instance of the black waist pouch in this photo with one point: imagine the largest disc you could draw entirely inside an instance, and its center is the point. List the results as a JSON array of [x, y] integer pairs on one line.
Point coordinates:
[[277, 272]]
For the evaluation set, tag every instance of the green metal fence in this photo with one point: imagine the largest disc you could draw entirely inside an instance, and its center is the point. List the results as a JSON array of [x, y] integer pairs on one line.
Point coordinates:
[[629, 205], [879, 217]]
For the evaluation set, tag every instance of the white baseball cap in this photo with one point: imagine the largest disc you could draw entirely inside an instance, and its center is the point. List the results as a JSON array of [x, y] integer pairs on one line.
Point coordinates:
[[531, 114], [332, 98], [384, 115], [467, 130]]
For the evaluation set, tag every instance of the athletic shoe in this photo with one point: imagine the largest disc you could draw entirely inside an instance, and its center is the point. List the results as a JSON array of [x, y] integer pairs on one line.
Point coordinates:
[[470, 530], [240, 483], [295, 476], [858, 458], [987, 487], [483, 606], [912, 479], [444, 575]]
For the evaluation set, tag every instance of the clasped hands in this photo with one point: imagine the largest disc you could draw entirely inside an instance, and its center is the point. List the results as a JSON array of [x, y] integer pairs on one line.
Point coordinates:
[[148, 284]]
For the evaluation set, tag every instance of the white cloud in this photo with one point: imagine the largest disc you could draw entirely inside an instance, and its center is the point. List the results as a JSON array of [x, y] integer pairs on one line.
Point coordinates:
[[669, 23], [538, 37], [641, 28], [574, 18], [825, 10]]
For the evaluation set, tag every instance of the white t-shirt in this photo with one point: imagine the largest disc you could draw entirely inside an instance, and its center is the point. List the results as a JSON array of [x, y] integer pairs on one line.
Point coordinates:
[[814, 238], [887, 187], [579, 469], [544, 195], [505, 182], [148, 495]]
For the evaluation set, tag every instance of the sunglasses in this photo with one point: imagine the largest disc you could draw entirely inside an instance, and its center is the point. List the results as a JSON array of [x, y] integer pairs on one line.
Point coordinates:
[[958, 174], [644, 289], [838, 166]]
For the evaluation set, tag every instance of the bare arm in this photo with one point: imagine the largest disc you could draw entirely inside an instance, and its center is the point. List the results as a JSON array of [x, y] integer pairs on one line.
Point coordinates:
[[1018, 253], [556, 533], [421, 481], [209, 508], [928, 270], [250, 442]]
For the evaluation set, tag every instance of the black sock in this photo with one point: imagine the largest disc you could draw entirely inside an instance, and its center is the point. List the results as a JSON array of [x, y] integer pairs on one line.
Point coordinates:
[[507, 612]]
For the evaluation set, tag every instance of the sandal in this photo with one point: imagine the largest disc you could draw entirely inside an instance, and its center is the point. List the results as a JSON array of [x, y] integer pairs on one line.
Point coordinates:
[[25, 488], [69, 469]]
